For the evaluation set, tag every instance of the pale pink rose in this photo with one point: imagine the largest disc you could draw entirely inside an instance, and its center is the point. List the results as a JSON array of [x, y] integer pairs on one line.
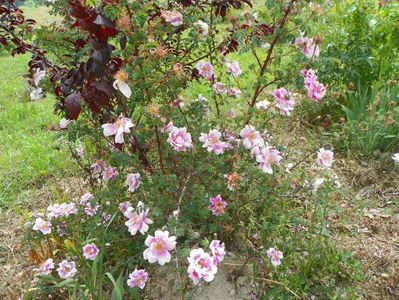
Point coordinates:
[[66, 269], [251, 137], [124, 206], [64, 123], [133, 181], [212, 142], [218, 251], [325, 158], [179, 139], [110, 173], [90, 251], [91, 209], [316, 91], [168, 127], [42, 225], [219, 88], [137, 278], [98, 166], [308, 46], [203, 27], [138, 221], [159, 247], [275, 256], [46, 267], [202, 266], [61, 210], [122, 125], [234, 69], [284, 101], [267, 157], [86, 197], [205, 69], [217, 205], [233, 92], [173, 17], [318, 183]]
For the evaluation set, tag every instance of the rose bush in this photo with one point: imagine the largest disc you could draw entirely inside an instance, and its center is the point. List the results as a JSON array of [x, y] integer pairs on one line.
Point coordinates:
[[167, 170]]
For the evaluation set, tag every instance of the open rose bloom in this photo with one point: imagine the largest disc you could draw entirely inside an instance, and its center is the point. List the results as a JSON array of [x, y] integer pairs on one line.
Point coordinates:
[[284, 101], [66, 269], [137, 278], [202, 266], [275, 256], [133, 181], [325, 158], [138, 220], [122, 125], [212, 142], [217, 205], [159, 246], [90, 251], [46, 267], [173, 17], [180, 139], [205, 69], [42, 226]]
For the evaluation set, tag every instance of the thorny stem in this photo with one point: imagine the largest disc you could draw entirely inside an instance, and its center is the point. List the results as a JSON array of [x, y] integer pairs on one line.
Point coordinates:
[[160, 156]]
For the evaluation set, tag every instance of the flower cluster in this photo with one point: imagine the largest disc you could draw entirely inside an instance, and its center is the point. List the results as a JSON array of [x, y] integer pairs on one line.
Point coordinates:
[[316, 90], [265, 155], [204, 266]]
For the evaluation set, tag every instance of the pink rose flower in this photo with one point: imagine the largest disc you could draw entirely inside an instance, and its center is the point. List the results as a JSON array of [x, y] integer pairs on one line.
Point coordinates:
[[219, 88], [267, 157], [138, 221], [91, 209], [325, 158], [133, 181], [275, 256], [233, 92], [123, 206], [173, 17], [122, 125], [251, 136], [217, 205], [98, 166], [42, 225], [159, 247], [316, 91], [66, 269], [46, 267], [90, 251], [137, 278], [86, 197], [202, 266], [308, 47], [61, 210], [218, 251], [179, 139], [212, 142], [234, 69], [110, 173], [205, 69], [284, 101]]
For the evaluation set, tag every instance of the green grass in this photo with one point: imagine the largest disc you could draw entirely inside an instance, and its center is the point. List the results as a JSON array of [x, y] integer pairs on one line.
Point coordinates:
[[29, 151], [40, 14]]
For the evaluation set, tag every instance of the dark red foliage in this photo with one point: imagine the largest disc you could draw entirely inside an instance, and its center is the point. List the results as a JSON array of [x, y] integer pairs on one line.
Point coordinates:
[[221, 6]]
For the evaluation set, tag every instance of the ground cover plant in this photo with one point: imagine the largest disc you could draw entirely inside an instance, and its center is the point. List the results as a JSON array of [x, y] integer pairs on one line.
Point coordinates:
[[170, 114]]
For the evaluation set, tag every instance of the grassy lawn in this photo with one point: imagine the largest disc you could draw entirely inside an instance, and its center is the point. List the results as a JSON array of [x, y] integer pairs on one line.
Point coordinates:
[[40, 14], [29, 151]]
